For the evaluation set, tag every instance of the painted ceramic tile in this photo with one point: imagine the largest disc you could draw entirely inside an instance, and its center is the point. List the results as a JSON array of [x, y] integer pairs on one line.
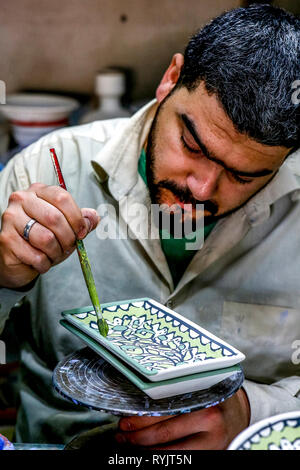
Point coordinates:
[[280, 432], [155, 340]]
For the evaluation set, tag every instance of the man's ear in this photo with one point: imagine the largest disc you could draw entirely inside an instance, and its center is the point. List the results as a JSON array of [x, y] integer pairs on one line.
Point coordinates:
[[170, 77]]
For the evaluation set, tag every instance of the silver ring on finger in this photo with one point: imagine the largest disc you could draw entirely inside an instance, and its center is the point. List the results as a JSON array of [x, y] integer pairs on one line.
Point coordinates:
[[27, 229]]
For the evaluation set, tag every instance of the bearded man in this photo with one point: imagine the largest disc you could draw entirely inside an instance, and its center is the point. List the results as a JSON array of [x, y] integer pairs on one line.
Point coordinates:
[[218, 145]]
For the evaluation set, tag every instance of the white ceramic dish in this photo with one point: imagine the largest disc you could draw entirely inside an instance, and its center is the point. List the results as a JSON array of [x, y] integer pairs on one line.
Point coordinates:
[[161, 389], [156, 341], [280, 432], [25, 135], [35, 107], [33, 115]]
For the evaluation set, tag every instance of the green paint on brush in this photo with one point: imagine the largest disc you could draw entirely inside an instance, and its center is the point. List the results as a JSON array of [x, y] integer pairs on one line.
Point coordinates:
[[90, 283]]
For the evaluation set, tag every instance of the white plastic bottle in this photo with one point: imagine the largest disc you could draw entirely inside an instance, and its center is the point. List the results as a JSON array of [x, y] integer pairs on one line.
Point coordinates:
[[109, 88]]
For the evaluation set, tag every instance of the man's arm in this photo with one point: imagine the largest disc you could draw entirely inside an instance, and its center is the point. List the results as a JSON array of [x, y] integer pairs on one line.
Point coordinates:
[[51, 240], [270, 400]]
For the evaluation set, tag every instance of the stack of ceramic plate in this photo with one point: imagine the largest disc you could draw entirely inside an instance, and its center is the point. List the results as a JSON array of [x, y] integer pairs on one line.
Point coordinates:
[[158, 350]]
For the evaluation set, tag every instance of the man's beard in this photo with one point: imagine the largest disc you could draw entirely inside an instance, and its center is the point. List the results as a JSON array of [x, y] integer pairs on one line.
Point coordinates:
[[184, 195]]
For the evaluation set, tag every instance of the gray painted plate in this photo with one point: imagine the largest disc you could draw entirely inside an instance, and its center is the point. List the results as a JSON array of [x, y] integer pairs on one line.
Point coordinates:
[[88, 380]]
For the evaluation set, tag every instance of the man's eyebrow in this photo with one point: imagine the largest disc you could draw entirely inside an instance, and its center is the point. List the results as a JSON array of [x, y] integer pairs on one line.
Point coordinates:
[[192, 129]]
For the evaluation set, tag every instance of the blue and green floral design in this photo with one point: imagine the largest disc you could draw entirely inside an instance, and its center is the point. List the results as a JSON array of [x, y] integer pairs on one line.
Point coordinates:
[[153, 337], [281, 435]]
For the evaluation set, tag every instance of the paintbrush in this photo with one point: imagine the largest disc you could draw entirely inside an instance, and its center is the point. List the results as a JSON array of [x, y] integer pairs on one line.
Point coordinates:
[[84, 260]]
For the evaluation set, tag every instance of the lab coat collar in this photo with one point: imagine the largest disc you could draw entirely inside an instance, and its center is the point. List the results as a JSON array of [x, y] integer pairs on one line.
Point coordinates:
[[117, 162], [285, 182]]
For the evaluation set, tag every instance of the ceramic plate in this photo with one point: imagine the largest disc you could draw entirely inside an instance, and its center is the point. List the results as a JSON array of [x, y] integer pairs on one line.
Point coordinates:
[[164, 388], [156, 341], [86, 379], [280, 432]]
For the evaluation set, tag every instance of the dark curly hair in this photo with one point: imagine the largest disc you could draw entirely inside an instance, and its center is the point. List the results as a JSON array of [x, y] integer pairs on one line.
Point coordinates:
[[250, 57]]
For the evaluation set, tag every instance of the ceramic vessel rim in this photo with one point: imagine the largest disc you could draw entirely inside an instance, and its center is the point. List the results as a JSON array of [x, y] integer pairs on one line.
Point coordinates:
[[245, 435]]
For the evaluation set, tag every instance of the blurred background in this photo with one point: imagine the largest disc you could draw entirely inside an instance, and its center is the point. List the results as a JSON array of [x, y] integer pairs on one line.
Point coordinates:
[[60, 47], [108, 56]]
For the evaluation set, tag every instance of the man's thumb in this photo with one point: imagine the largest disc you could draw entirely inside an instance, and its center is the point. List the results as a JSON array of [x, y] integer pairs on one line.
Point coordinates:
[[91, 219]]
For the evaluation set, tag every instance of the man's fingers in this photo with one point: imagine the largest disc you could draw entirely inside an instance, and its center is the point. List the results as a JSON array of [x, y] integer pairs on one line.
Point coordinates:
[[62, 200], [134, 423], [46, 242], [48, 216], [50, 240], [20, 252], [200, 441], [51, 237], [40, 238], [166, 430]]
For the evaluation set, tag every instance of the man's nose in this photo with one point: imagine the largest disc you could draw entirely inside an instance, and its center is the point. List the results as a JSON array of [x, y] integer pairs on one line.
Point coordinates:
[[203, 182]]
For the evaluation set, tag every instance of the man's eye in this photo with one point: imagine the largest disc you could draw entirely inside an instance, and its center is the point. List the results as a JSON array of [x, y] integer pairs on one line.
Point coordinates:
[[190, 149], [198, 151], [241, 180]]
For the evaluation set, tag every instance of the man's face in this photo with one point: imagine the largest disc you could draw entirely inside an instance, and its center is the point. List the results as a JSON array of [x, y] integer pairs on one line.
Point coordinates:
[[196, 156]]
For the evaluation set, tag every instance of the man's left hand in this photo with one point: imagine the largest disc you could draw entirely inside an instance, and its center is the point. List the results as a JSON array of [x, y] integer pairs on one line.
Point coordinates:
[[211, 428]]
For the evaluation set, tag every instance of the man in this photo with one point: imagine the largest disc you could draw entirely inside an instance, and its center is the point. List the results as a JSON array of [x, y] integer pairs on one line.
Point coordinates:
[[219, 134]]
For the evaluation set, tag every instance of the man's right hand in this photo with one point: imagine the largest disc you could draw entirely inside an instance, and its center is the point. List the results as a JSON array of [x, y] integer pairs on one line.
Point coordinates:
[[51, 239]]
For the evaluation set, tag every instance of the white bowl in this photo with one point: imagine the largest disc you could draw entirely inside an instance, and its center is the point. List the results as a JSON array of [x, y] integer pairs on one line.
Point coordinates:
[[36, 108], [27, 135], [33, 115], [280, 432]]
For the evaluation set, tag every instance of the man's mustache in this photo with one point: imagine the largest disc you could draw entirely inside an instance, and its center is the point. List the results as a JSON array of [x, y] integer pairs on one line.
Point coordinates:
[[185, 196]]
